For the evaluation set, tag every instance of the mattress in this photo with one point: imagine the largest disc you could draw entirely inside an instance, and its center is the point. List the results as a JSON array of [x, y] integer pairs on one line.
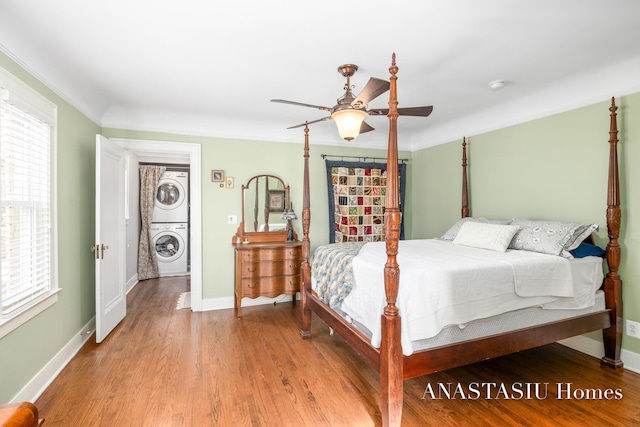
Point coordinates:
[[471, 284], [502, 323]]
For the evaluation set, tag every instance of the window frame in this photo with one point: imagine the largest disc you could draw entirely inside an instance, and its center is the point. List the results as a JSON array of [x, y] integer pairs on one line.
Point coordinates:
[[19, 94]]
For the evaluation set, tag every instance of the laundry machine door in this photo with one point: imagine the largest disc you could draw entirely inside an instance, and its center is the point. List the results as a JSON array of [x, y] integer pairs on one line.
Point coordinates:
[[169, 246], [171, 198], [170, 194]]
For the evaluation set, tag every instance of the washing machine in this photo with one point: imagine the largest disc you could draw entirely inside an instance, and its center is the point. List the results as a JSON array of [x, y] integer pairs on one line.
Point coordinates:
[[171, 241], [172, 198]]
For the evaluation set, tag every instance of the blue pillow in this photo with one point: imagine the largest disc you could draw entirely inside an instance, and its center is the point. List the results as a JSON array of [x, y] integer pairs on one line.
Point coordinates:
[[587, 249]]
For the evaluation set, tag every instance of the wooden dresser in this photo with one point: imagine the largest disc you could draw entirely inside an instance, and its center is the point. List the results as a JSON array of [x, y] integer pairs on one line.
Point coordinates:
[[266, 269]]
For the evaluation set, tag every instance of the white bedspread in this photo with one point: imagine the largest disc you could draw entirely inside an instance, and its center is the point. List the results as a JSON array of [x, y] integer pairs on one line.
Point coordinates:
[[443, 284]]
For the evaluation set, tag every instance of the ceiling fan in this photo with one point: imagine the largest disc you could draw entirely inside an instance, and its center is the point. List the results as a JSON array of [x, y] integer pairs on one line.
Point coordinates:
[[350, 111]]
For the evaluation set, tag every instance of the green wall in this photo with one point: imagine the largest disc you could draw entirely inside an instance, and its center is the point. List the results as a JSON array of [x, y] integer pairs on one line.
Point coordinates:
[[551, 168], [25, 351]]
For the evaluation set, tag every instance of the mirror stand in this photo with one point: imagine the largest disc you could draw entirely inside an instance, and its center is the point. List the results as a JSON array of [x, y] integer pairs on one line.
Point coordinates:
[[267, 253], [266, 212]]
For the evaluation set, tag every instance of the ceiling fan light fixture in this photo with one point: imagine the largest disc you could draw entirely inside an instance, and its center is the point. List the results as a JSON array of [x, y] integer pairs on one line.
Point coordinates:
[[349, 121]]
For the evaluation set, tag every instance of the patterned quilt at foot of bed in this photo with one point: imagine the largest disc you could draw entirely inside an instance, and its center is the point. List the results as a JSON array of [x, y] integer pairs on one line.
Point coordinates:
[[332, 272]]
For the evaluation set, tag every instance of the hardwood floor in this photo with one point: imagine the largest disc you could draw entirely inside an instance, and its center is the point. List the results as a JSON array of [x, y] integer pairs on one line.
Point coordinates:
[[167, 367]]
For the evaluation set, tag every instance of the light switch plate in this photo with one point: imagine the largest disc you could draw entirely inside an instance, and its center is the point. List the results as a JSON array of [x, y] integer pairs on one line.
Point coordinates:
[[633, 329]]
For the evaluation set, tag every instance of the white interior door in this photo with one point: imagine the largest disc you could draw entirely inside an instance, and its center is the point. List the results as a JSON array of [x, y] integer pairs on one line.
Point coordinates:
[[111, 297]]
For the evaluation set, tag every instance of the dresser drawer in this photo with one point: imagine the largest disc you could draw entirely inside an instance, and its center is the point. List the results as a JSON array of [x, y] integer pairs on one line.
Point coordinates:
[[270, 286], [269, 268], [272, 254]]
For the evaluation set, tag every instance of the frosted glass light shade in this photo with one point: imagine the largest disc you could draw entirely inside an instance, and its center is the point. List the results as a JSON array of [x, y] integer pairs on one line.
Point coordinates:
[[349, 122]]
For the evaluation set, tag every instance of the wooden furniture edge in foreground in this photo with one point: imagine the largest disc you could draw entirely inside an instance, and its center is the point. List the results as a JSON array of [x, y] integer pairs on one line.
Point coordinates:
[[22, 414]]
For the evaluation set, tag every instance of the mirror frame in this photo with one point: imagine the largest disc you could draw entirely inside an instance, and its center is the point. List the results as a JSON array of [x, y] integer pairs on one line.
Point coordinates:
[[244, 236]]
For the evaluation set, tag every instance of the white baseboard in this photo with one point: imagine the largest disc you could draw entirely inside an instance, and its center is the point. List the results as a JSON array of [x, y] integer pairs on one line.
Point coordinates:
[[133, 281], [38, 384], [595, 348]]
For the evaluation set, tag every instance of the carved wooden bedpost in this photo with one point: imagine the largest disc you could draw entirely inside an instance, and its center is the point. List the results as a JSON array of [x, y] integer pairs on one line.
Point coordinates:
[[465, 187], [391, 372], [305, 267], [612, 336]]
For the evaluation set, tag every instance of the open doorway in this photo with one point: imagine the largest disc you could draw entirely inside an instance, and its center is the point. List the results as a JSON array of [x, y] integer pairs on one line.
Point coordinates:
[[189, 155], [165, 218]]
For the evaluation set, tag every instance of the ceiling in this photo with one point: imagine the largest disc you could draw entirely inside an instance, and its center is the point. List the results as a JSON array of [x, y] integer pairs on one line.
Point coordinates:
[[211, 68]]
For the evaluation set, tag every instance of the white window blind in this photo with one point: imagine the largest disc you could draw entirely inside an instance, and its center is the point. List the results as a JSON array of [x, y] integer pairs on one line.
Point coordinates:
[[25, 202]]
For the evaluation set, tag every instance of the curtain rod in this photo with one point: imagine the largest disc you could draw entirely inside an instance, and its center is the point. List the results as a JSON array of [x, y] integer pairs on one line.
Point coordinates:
[[364, 159]]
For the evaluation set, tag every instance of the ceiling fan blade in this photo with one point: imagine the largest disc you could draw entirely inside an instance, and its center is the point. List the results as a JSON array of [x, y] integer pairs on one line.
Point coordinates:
[[374, 88], [284, 101], [364, 127], [416, 111], [308, 123], [409, 111]]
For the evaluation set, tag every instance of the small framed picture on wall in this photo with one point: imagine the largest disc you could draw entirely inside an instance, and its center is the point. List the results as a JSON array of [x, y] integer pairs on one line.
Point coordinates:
[[229, 182], [217, 176]]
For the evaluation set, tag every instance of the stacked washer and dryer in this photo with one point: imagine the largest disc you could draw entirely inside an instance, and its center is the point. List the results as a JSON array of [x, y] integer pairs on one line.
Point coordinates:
[[170, 223]]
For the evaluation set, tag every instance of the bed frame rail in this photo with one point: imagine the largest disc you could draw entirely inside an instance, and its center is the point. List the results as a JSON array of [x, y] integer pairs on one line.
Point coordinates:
[[467, 352]]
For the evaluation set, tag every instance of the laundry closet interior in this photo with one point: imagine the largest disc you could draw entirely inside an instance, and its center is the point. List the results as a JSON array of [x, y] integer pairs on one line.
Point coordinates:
[[170, 226]]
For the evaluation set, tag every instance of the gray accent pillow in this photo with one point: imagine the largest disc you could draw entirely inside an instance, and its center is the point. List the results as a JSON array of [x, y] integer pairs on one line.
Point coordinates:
[[550, 237]]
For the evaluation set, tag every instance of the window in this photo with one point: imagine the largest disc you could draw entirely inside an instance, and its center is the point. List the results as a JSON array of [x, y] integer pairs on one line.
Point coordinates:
[[27, 203]]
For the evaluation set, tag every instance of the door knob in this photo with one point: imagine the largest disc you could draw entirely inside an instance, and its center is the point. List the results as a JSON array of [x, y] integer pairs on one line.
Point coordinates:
[[99, 250]]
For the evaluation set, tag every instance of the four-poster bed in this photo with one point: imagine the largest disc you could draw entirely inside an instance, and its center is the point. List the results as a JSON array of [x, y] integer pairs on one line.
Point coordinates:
[[388, 358]]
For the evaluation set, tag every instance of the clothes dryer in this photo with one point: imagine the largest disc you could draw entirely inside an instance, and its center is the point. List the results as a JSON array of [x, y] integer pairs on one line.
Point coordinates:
[[171, 241], [172, 198]]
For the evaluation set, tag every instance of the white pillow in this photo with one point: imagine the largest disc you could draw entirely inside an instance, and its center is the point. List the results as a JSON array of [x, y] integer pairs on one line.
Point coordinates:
[[495, 237], [453, 231]]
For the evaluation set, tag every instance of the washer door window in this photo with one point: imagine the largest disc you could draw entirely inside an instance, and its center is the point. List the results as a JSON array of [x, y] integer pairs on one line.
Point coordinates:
[[169, 246], [169, 195]]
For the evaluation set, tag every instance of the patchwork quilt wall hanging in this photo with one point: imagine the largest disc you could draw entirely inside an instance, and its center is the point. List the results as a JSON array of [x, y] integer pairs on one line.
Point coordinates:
[[357, 193]]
